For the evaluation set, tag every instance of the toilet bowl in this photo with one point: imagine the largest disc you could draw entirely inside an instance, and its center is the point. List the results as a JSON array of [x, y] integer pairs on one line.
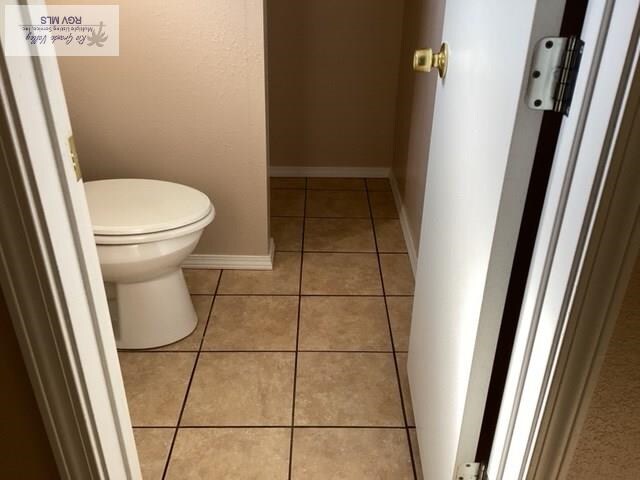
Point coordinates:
[[144, 230]]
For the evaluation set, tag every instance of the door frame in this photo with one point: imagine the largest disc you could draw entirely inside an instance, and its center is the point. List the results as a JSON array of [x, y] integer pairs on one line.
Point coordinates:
[[85, 415], [610, 258], [584, 180], [52, 283]]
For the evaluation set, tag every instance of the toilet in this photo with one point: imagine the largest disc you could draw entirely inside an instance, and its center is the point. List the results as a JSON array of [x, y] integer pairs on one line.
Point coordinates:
[[144, 230]]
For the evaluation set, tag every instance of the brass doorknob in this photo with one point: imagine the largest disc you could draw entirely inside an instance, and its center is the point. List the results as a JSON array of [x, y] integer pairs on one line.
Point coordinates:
[[424, 60]]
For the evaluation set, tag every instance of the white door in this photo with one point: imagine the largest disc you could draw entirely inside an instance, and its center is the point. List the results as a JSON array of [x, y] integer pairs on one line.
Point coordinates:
[[482, 148], [40, 108]]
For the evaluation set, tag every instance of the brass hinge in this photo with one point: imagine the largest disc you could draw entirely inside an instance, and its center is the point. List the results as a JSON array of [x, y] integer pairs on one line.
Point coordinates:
[[74, 158]]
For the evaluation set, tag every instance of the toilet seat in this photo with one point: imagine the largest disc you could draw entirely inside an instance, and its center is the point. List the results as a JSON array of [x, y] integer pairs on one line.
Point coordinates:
[[130, 211], [156, 236]]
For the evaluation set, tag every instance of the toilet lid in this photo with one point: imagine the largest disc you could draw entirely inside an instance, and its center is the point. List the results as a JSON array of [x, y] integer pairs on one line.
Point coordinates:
[[133, 206]]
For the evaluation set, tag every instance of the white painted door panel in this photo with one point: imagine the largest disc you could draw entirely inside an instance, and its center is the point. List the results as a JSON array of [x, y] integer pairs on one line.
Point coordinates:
[[482, 148], [42, 110]]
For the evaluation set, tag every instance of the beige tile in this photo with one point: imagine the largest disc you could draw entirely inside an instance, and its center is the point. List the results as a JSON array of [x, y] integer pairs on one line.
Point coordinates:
[[396, 274], [253, 323], [383, 205], [202, 304], [288, 182], [284, 279], [335, 184], [400, 318], [230, 454], [201, 281], [155, 384], [287, 203], [389, 235], [341, 274], [241, 389], [350, 454], [378, 185], [287, 233], [335, 203], [404, 383], [343, 323], [339, 235], [347, 389], [153, 446], [415, 451]]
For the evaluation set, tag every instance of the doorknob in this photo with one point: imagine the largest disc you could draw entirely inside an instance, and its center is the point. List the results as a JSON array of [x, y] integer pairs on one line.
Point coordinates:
[[424, 60]]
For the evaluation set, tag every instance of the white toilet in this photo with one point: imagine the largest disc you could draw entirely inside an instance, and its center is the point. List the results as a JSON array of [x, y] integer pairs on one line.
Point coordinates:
[[144, 230]]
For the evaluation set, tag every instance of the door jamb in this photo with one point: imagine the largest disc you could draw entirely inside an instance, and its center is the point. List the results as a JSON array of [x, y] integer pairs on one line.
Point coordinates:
[[609, 262], [559, 264], [47, 285]]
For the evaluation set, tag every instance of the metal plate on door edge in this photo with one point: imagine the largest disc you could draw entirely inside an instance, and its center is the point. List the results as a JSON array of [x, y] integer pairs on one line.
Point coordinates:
[[471, 471], [553, 73], [545, 72]]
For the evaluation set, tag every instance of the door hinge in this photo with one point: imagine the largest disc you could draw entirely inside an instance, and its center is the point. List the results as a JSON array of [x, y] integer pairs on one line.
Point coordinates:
[[471, 471], [74, 158], [553, 73]]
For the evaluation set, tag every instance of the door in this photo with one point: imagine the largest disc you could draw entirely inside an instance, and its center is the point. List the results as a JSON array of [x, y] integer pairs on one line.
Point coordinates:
[[482, 148], [104, 445]]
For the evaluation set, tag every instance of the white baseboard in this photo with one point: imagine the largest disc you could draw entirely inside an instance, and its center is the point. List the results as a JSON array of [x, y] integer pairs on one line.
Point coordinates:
[[357, 172], [232, 262], [404, 223], [265, 262]]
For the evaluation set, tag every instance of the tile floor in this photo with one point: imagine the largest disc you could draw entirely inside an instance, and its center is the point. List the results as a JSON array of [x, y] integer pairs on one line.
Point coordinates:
[[299, 372]]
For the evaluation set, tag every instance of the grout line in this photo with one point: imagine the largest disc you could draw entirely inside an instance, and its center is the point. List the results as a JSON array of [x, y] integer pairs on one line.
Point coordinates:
[[351, 190], [142, 427], [259, 294], [384, 217], [325, 189], [360, 427], [295, 363], [320, 217], [263, 351], [345, 252], [393, 347], [304, 295], [193, 371], [333, 217]]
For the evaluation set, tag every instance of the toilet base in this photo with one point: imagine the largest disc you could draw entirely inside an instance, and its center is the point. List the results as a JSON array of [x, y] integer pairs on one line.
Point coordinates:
[[151, 313]]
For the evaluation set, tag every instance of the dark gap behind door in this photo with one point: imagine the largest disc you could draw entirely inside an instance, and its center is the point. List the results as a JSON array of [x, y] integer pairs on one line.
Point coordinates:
[[571, 25]]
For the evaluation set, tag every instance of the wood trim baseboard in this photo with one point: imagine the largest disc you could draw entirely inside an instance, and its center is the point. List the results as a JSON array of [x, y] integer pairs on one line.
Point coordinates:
[[404, 223], [232, 262]]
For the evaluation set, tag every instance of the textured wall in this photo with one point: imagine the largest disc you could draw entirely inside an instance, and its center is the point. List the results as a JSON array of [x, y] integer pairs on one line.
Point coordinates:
[[184, 102], [423, 20], [26, 453], [333, 70], [609, 443]]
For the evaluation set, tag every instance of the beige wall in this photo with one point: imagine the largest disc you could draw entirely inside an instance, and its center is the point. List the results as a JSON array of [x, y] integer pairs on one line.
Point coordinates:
[[333, 68], [609, 442], [26, 453], [423, 21], [184, 102]]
